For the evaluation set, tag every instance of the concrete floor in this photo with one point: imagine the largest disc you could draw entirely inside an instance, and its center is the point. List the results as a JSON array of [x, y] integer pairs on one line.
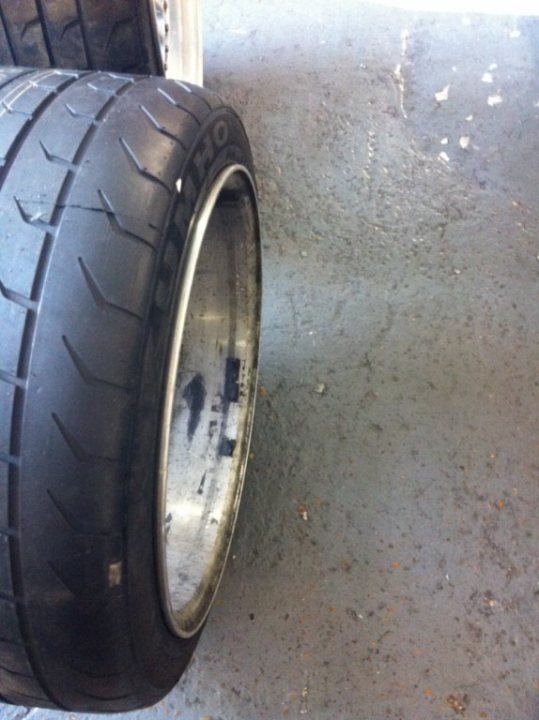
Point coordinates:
[[385, 563]]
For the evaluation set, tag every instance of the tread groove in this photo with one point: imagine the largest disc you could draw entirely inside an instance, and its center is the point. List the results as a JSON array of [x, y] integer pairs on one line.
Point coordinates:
[[84, 35], [35, 220], [56, 158], [15, 673], [23, 134], [82, 455], [117, 225], [178, 105], [98, 296], [141, 170], [45, 30], [17, 298], [58, 575], [66, 515], [12, 380], [160, 129], [86, 374], [8, 459], [8, 36], [67, 27], [30, 24]]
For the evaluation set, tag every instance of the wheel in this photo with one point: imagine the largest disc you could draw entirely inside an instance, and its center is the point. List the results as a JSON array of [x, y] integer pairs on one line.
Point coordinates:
[[129, 325], [137, 36]]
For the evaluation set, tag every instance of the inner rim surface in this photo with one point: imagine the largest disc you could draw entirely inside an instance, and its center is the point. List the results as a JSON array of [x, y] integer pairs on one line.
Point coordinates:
[[211, 394]]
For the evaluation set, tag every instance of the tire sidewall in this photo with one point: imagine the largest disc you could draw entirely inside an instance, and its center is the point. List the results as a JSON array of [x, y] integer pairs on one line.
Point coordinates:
[[163, 656]]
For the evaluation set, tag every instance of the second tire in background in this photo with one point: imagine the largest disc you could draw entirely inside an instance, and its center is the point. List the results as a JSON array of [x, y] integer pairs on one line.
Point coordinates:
[[156, 37]]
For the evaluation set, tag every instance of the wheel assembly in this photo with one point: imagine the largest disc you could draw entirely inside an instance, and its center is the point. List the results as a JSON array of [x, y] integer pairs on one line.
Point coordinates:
[[159, 37], [129, 325]]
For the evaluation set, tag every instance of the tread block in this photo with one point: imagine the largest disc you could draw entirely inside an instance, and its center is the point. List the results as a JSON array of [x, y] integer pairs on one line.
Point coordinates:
[[4, 496], [7, 393], [64, 30], [5, 565], [12, 319], [9, 621], [25, 32], [123, 278], [14, 657]]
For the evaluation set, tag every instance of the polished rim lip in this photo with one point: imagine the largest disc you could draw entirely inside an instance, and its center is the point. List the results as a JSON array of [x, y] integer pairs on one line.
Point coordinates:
[[195, 238], [180, 52]]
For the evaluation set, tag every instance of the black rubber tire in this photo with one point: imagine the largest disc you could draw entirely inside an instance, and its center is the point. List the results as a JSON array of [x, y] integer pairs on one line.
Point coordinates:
[[91, 232], [112, 35]]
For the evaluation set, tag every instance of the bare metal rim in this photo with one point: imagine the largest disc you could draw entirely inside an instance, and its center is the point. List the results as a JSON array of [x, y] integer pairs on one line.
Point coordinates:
[[187, 610], [178, 25]]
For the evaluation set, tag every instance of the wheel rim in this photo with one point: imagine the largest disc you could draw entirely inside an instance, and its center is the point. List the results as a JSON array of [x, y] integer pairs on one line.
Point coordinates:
[[210, 390], [178, 26]]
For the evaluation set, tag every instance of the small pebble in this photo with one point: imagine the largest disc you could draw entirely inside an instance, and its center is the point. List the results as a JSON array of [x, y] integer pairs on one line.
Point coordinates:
[[320, 389], [443, 95], [494, 100]]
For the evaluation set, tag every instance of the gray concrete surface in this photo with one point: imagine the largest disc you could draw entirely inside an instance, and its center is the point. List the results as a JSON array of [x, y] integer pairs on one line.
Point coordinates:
[[386, 559]]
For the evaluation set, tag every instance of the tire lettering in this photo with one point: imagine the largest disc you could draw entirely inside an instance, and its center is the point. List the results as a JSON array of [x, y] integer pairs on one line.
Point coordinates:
[[220, 133]]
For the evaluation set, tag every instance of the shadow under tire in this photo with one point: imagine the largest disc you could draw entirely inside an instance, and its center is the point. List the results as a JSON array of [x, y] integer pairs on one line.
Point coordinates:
[[111, 188]]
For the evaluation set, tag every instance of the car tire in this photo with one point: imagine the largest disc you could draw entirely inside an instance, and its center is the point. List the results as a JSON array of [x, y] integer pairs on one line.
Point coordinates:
[[129, 324], [133, 36]]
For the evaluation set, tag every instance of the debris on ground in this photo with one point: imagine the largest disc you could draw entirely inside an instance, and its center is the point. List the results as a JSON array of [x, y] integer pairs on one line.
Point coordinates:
[[457, 704], [320, 388], [443, 95]]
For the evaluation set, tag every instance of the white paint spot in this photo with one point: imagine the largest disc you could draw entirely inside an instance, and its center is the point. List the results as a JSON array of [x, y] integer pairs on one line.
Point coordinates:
[[454, 68], [444, 156], [457, 271], [179, 186], [115, 574], [493, 66], [464, 142], [487, 77], [444, 141], [494, 100], [442, 95], [513, 34], [469, 118]]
